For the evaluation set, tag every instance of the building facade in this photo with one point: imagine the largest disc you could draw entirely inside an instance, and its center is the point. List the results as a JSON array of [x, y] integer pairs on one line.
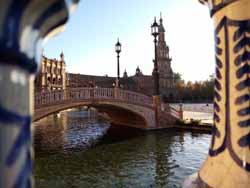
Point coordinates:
[[53, 75], [167, 79]]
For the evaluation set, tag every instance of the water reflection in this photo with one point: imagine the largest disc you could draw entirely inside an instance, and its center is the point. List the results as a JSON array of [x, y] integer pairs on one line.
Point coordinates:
[[69, 130], [124, 157]]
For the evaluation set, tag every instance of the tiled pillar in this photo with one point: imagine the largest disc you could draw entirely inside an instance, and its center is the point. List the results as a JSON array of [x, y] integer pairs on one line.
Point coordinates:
[[23, 25], [228, 162]]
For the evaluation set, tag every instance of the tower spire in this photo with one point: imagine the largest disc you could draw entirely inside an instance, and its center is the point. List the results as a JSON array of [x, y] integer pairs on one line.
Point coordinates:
[[161, 27], [161, 18], [125, 74], [62, 56]]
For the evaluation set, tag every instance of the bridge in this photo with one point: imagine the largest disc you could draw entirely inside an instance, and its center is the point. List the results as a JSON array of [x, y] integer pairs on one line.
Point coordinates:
[[122, 106]]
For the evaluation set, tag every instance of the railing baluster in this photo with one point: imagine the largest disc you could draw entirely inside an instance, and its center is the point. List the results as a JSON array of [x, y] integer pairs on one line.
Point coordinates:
[[77, 94]]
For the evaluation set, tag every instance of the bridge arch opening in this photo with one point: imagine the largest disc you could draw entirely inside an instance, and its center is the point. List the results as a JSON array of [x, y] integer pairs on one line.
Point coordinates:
[[122, 116], [117, 115]]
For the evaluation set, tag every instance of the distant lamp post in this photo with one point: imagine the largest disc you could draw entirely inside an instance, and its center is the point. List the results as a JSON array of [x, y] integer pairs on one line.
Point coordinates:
[[155, 33], [118, 50]]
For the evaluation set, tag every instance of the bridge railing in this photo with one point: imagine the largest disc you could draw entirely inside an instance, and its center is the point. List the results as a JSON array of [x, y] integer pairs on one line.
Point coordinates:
[[50, 97], [45, 99], [175, 113], [74, 94], [78, 94], [134, 97], [169, 109], [89, 93], [106, 93]]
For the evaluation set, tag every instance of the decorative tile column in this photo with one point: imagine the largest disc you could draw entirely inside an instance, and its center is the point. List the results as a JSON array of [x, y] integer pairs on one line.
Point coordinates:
[[228, 162], [23, 26]]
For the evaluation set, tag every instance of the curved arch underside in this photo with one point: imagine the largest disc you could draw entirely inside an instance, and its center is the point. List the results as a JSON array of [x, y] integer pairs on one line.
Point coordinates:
[[118, 112]]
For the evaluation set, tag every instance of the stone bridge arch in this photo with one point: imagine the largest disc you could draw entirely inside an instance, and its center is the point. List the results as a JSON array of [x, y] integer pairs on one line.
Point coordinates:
[[123, 107], [118, 112]]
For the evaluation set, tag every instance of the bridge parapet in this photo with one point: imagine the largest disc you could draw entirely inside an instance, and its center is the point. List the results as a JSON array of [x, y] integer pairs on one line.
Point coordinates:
[[135, 98], [43, 99], [78, 94], [48, 97], [51, 101], [174, 112], [167, 109]]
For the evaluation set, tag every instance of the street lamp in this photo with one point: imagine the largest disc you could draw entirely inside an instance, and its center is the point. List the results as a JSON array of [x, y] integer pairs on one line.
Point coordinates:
[[155, 33], [118, 50]]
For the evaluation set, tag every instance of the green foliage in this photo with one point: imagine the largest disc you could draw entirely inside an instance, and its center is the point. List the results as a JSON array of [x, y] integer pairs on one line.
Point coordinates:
[[202, 91], [177, 76]]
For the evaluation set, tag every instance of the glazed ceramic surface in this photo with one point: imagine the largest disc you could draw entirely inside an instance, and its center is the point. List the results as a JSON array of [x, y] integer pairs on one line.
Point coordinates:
[[228, 163], [24, 24]]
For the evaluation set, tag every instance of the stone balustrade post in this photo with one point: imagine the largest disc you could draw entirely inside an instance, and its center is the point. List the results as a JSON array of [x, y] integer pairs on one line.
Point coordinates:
[[23, 26], [228, 162], [116, 92]]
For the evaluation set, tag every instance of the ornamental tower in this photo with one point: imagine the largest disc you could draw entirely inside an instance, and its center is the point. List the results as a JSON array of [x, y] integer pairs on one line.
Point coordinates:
[[164, 61]]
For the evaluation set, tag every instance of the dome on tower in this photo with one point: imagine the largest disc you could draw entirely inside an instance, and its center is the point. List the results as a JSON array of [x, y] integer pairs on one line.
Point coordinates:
[[125, 74], [138, 72]]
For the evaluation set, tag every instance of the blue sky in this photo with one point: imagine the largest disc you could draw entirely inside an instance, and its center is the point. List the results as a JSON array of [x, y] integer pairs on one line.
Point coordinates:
[[92, 31]]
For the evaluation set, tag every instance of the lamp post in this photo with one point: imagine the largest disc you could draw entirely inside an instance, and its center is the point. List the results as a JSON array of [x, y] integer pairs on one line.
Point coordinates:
[[118, 51], [156, 94], [155, 33]]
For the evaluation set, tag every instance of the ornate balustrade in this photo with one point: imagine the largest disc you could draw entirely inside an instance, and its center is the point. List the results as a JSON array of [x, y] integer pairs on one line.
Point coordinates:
[[78, 94], [171, 110], [175, 113], [48, 98], [135, 98]]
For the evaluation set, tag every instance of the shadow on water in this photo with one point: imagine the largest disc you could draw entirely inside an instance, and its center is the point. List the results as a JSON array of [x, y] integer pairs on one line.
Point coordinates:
[[119, 133]]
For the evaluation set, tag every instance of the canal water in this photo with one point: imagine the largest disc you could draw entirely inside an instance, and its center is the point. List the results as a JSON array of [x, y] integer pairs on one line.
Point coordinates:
[[78, 149]]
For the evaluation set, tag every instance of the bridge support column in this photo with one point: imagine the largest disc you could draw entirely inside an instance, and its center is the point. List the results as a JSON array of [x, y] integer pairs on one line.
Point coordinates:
[[228, 163], [157, 107], [23, 25]]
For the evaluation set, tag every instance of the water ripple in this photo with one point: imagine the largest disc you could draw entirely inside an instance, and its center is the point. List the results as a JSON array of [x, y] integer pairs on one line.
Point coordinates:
[[156, 159]]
